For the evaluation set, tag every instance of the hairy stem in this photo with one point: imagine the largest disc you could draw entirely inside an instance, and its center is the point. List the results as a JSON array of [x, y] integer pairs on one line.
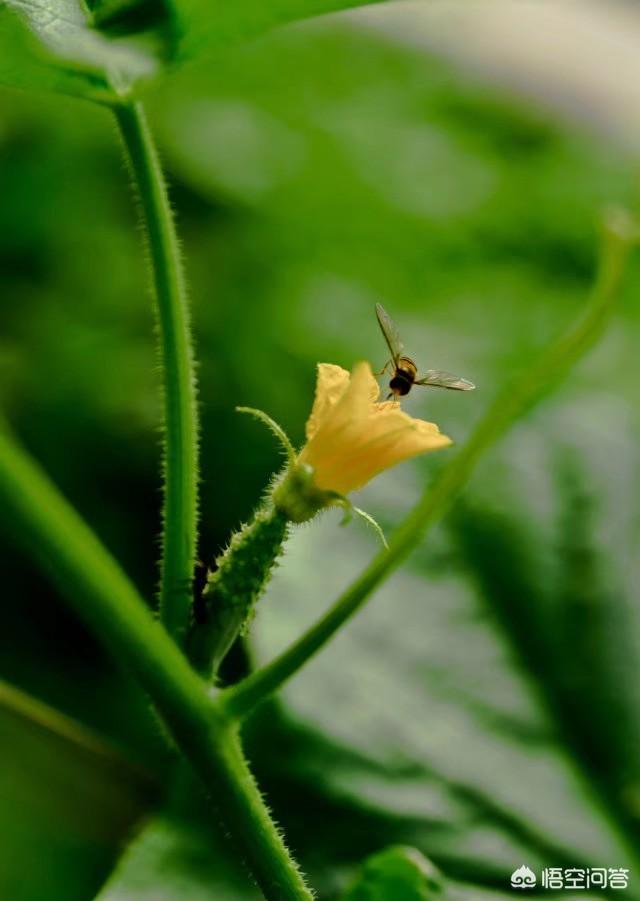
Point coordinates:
[[509, 405], [180, 462], [104, 598], [245, 814]]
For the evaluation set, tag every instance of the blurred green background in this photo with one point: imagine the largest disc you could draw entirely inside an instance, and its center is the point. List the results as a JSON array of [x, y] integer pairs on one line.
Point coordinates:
[[484, 708]]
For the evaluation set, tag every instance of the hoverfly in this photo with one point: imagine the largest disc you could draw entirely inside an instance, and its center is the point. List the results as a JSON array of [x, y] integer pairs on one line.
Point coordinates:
[[405, 370]]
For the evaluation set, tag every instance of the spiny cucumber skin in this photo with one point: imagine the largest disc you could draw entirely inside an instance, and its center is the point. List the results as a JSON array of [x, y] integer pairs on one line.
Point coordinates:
[[245, 567], [233, 589]]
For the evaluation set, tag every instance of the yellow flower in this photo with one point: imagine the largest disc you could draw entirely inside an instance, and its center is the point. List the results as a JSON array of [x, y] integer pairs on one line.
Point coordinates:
[[351, 436]]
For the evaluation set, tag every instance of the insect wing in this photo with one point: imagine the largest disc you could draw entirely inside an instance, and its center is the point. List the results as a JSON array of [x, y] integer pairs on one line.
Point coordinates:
[[390, 333], [437, 378]]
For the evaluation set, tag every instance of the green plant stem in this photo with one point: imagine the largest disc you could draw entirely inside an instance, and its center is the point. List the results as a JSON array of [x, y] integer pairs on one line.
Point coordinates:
[[104, 598], [180, 462], [246, 815], [508, 406]]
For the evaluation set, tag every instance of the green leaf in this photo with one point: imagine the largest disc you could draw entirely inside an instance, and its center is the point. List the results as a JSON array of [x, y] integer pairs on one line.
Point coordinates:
[[63, 53], [72, 56], [67, 803], [575, 626], [396, 874], [25, 64], [177, 859], [207, 25]]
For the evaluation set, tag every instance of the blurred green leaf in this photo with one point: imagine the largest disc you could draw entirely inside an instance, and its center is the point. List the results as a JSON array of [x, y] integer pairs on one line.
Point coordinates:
[[206, 26], [575, 624], [175, 859], [25, 64], [66, 55], [67, 803], [72, 55], [396, 874]]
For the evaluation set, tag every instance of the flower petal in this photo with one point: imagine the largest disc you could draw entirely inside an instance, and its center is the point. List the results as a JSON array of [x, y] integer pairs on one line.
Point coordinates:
[[341, 394], [389, 436], [351, 438], [331, 383]]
